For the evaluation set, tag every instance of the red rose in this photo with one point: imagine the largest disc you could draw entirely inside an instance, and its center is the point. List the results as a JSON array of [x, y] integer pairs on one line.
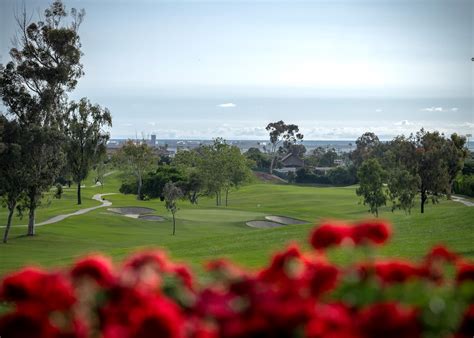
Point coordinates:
[[465, 272], [97, 268], [388, 320], [185, 274], [329, 234], [396, 271], [441, 253], [225, 269], [131, 312], [34, 288], [285, 265], [157, 258], [366, 232], [331, 321], [321, 276]]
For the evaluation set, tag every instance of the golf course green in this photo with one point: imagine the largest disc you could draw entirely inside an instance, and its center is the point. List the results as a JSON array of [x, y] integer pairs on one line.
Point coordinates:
[[205, 231]]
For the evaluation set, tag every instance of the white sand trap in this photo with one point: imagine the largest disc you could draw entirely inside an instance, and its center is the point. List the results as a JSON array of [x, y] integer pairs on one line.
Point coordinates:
[[130, 211], [152, 218], [285, 220], [264, 224]]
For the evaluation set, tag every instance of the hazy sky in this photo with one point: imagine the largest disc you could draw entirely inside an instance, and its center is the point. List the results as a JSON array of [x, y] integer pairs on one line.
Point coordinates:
[[192, 69]]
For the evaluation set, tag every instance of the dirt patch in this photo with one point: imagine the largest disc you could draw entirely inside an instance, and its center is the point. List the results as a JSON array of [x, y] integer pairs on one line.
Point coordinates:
[[285, 220], [132, 210], [152, 218], [266, 177], [264, 224]]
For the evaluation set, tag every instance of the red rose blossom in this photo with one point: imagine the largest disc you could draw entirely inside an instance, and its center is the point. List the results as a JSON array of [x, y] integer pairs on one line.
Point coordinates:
[[388, 320], [441, 253], [34, 288], [329, 234], [98, 268], [375, 232]]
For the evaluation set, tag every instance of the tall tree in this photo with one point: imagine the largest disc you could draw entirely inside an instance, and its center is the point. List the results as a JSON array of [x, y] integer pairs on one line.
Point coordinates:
[[365, 146], [44, 66], [136, 158], [431, 166], [12, 181], [85, 139], [402, 189], [371, 175], [281, 134], [172, 194], [455, 153]]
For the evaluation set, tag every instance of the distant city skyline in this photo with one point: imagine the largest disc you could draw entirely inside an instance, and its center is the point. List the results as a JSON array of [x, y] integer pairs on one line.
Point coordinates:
[[192, 69]]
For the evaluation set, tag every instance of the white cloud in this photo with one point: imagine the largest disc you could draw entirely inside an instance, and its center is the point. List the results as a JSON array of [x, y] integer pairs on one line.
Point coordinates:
[[403, 123], [432, 109], [378, 110], [454, 109], [227, 105]]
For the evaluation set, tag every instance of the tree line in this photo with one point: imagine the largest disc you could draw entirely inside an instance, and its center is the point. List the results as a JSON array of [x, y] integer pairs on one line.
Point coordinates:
[[424, 164], [208, 170], [43, 133]]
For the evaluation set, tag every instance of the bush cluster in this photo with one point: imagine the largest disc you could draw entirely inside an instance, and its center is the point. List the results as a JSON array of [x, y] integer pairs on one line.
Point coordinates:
[[464, 185], [298, 294], [335, 176]]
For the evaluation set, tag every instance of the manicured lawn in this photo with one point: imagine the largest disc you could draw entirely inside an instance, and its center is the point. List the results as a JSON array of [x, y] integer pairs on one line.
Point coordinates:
[[206, 231]]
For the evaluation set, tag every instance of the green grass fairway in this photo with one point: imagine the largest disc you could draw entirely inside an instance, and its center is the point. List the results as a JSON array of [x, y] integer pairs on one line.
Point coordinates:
[[205, 231]]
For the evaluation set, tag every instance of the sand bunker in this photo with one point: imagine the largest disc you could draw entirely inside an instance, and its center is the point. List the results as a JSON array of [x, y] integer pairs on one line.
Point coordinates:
[[264, 224], [285, 220], [132, 210], [152, 218], [273, 221]]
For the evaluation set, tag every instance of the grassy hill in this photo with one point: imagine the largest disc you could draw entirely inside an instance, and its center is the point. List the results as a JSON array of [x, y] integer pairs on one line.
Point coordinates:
[[205, 231]]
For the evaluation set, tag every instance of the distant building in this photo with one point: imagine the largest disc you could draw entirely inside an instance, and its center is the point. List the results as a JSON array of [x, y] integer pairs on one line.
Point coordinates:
[[153, 140], [292, 161]]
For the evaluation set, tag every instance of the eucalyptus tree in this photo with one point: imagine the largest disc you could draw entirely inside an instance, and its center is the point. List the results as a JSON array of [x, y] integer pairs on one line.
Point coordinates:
[[136, 158], [365, 148], [432, 167], [45, 65], [12, 182], [86, 139], [282, 135], [371, 177]]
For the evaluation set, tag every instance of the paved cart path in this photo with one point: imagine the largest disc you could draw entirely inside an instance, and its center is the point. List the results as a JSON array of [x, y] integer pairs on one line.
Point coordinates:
[[58, 218]]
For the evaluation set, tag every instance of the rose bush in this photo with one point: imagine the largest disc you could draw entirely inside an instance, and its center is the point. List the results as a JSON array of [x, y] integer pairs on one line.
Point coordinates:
[[298, 294]]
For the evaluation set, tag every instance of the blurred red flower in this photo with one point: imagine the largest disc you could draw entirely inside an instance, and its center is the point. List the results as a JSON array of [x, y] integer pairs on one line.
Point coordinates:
[[388, 320], [376, 232], [97, 268], [329, 234]]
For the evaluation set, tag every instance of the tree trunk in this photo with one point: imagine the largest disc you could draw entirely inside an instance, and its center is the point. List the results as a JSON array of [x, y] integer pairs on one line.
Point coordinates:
[[423, 200], [220, 197], [272, 163], [226, 196], [217, 199], [449, 190], [9, 223], [31, 222], [79, 200], [174, 225], [139, 192]]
